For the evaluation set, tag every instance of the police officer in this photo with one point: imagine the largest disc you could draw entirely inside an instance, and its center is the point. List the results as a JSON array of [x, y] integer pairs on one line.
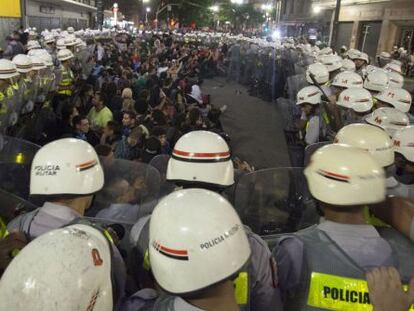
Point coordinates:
[[202, 159], [389, 119], [66, 174], [343, 180], [198, 251], [397, 98], [8, 73], [355, 104], [376, 81], [314, 121], [68, 269], [67, 81], [403, 141]]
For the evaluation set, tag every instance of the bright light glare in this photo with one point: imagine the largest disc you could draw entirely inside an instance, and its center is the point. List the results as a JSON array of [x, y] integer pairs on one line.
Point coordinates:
[[214, 8], [237, 1], [317, 9], [276, 34], [266, 7], [145, 1], [115, 5], [148, 10]]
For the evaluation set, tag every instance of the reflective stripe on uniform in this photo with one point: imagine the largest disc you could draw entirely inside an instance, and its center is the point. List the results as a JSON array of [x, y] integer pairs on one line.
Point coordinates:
[[65, 84], [331, 292], [241, 290]]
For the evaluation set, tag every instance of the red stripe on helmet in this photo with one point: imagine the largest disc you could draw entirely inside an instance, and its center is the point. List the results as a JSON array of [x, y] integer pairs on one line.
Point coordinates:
[[201, 154]]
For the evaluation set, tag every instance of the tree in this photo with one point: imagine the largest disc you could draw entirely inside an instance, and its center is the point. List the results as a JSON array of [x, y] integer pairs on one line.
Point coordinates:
[[241, 16]]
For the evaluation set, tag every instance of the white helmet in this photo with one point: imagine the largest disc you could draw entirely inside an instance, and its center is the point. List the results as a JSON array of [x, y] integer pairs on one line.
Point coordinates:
[[38, 63], [398, 98], [326, 51], [369, 138], [348, 79], [357, 99], [33, 44], [23, 63], [393, 67], [201, 157], [7, 69], [66, 166], [353, 53], [77, 277], [332, 62], [385, 55], [60, 44], [49, 39], [403, 141], [362, 56], [309, 95], [396, 80], [319, 71], [64, 54], [191, 231], [43, 55], [348, 65], [344, 175], [70, 30], [70, 40], [377, 81], [389, 119]]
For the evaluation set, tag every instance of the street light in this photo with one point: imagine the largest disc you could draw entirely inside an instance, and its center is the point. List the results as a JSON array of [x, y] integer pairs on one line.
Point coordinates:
[[266, 7], [317, 9], [147, 10], [214, 8]]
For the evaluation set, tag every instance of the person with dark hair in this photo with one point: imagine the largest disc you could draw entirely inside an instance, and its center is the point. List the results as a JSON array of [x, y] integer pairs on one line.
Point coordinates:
[[81, 130], [99, 115], [111, 134], [83, 101], [129, 148], [128, 122], [161, 134], [65, 126], [151, 149]]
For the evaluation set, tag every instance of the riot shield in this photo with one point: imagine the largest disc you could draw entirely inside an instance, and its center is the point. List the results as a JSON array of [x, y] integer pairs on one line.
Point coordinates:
[[160, 162], [275, 201], [131, 191], [12, 206], [295, 84], [311, 149], [30, 93], [290, 112], [16, 156]]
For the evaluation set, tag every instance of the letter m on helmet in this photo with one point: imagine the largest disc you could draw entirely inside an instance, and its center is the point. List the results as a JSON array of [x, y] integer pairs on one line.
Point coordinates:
[[397, 143], [378, 120]]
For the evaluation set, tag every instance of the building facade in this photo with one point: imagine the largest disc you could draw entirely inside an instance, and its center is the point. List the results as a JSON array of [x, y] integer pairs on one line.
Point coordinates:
[[47, 14]]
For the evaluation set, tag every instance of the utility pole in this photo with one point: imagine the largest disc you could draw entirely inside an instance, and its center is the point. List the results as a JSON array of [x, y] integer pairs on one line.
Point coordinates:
[[100, 13], [334, 33]]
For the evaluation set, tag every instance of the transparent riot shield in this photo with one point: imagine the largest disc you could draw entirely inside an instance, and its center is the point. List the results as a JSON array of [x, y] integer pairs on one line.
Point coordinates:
[[30, 93], [42, 85], [131, 191], [57, 74], [275, 201], [311, 149], [12, 206], [160, 162], [290, 112], [7, 115], [295, 84], [16, 156]]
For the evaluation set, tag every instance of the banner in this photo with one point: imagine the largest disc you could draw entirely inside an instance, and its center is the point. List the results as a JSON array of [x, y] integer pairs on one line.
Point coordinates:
[[10, 8]]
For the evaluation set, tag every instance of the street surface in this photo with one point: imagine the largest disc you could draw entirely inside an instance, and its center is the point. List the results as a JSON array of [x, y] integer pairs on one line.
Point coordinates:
[[254, 126]]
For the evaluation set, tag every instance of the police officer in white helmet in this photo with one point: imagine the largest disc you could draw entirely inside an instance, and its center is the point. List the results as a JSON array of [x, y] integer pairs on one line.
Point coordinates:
[[324, 266], [355, 104], [65, 174], [66, 269], [314, 121], [198, 252], [202, 159]]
